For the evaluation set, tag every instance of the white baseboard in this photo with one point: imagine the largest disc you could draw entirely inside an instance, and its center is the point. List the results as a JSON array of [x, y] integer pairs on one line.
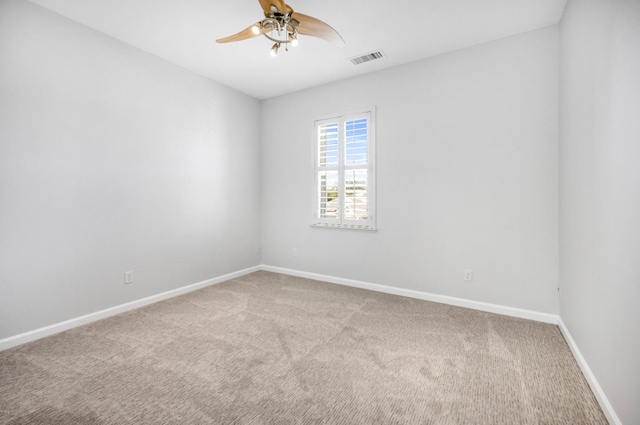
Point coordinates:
[[443, 299], [102, 314], [23, 338], [590, 377]]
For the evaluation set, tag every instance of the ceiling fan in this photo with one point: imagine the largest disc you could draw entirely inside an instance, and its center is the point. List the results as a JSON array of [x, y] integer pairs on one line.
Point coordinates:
[[282, 26]]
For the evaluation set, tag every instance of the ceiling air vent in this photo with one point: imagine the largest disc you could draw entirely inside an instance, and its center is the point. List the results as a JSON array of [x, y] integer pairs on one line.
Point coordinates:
[[378, 54]]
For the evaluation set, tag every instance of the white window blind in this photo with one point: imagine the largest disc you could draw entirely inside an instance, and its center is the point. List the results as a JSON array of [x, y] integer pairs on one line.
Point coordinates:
[[344, 174]]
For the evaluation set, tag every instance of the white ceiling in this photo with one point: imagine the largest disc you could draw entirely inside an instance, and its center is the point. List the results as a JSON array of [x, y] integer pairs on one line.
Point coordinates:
[[184, 32]]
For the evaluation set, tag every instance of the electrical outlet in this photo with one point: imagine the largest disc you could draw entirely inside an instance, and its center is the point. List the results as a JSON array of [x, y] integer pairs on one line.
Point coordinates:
[[468, 275], [128, 276], [295, 252]]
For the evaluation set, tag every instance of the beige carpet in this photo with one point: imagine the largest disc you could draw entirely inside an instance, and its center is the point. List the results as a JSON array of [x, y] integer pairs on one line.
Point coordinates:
[[274, 349]]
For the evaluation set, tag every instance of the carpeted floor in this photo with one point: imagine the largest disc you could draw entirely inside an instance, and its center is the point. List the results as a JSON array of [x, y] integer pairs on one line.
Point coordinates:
[[273, 349]]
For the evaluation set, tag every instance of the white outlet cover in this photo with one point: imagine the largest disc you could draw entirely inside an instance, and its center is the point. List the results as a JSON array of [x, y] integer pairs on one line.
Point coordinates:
[[128, 277], [468, 275]]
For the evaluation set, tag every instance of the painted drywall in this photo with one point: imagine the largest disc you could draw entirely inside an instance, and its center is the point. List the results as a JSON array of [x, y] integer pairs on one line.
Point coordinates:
[[600, 193], [467, 169], [111, 160]]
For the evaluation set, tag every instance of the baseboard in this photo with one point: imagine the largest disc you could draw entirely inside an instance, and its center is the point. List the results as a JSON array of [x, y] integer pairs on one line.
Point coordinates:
[[23, 338], [606, 407], [33, 335], [443, 299]]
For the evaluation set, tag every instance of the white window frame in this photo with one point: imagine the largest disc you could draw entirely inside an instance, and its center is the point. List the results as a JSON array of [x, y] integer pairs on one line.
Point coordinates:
[[341, 222]]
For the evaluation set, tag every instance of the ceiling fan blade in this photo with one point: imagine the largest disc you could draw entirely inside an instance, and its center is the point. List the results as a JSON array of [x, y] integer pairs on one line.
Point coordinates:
[[316, 28], [242, 35], [279, 4]]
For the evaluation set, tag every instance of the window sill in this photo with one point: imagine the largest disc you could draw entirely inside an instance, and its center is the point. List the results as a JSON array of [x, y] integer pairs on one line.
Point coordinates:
[[361, 227]]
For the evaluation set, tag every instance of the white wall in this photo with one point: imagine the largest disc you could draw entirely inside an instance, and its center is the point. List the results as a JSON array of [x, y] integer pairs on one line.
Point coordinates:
[[467, 175], [600, 193], [111, 160]]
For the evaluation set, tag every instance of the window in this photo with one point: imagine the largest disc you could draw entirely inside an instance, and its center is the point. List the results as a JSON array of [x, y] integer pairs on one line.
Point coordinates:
[[344, 192]]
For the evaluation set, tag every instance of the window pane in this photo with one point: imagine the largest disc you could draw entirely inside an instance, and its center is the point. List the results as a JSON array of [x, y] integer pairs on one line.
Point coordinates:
[[356, 142], [328, 202], [328, 145], [356, 195]]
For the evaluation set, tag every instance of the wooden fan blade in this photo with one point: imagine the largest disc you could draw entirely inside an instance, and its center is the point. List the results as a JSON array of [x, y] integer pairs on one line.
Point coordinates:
[[316, 28], [279, 4], [242, 35]]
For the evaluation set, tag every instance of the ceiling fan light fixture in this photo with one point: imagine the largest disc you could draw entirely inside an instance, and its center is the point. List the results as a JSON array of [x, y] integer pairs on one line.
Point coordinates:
[[274, 50], [281, 25]]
